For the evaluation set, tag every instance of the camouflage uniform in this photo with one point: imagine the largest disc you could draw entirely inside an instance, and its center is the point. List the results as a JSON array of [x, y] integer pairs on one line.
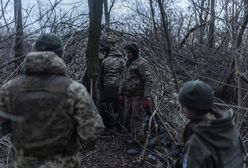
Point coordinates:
[[111, 75], [136, 86], [58, 114]]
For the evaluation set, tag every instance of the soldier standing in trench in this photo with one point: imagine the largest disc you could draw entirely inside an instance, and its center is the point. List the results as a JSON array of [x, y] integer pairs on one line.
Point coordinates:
[[135, 94], [57, 112], [110, 78]]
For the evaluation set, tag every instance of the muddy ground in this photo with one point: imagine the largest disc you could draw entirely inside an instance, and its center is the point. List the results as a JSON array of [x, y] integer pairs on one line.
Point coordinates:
[[109, 152]]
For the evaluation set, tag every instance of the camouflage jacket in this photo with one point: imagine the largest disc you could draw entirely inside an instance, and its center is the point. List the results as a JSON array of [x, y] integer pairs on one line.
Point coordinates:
[[111, 70], [137, 79], [57, 111]]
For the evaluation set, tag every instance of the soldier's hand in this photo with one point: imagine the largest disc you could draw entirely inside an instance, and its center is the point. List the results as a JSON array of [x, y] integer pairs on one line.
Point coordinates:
[[147, 103], [121, 100]]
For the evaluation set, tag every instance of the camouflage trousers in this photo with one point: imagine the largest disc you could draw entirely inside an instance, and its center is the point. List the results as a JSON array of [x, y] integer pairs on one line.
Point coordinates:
[[134, 117], [55, 162], [111, 112]]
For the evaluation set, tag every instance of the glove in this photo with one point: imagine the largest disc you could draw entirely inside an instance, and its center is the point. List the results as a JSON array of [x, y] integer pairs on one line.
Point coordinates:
[[121, 100], [147, 103]]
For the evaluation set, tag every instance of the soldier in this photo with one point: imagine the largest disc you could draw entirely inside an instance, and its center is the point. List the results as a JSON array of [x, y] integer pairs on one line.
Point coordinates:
[[211, 139], [57, 113], [135, 93], [110, 78]]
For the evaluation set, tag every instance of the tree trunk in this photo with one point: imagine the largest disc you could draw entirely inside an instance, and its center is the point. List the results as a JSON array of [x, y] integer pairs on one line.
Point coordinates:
[[153, 19], [19, 31], [168, 42], [244, 24], [106, 13], [92, 51], [212, 26], [202, 29]]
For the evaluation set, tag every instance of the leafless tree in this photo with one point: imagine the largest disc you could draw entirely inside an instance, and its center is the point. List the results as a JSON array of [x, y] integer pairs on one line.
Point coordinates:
[[168, 42], [95, 8], [211, 25], [19, 30], [107, 10]]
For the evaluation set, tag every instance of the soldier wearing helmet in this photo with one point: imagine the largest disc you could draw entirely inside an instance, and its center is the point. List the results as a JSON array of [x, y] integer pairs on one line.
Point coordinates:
[[57, 112], [110, 78], [210, 138]]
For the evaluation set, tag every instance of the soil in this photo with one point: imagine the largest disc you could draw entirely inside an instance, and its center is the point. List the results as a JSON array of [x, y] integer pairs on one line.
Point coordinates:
[[109, 152]]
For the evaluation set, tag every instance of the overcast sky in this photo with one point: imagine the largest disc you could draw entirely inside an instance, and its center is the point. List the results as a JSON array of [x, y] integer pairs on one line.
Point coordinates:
[[77, 6], [118, 9]]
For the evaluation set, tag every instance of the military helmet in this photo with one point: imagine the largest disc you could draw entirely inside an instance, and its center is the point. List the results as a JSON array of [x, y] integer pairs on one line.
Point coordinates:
[[196, 95], [49, 42]]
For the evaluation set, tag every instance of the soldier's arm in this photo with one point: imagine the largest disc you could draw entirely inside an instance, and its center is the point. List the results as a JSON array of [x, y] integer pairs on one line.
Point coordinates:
[[121, 87], [4, 104], [146, 76], [101, 76], [122, 67], [89, 122]]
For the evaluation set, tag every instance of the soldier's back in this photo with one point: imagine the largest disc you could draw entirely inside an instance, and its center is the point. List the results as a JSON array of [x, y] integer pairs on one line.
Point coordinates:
[[112, 67]]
